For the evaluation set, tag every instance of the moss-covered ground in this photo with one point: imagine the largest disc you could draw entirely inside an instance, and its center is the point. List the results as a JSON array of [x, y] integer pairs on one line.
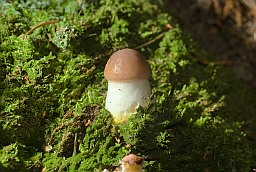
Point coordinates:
[[52, 92]]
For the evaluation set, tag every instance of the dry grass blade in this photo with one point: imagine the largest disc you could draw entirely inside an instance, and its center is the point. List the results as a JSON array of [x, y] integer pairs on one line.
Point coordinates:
[[41, 24]]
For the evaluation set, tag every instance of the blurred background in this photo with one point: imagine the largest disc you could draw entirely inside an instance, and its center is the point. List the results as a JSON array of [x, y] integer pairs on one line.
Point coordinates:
[[225, 28]]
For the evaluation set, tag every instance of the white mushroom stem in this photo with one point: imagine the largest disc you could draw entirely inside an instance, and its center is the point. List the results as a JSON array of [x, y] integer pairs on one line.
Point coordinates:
[[123, 98]]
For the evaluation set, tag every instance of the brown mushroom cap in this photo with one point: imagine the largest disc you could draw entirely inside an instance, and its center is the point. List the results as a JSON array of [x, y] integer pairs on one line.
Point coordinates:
[[132, 159], [127, 64]]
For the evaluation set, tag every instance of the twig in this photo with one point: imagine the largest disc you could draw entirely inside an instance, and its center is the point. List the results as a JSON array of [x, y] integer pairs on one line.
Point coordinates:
[[70, 112], [151, 41], [41, 24], [75, 145]]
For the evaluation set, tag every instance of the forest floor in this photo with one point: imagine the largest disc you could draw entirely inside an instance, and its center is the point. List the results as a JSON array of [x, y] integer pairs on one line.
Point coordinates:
[[227, 30], [52, 89]]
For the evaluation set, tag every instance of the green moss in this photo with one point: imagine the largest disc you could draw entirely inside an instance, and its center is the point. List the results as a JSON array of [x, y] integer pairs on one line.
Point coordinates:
[[52, 92], [98, 149], [19, 157]]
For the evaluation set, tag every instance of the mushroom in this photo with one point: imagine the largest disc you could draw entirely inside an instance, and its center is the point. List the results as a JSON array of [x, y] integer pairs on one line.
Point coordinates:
[[132, 163], [128, 74]]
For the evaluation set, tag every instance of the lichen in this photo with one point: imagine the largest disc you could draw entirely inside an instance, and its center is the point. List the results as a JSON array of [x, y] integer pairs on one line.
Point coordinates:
[[52, 92]]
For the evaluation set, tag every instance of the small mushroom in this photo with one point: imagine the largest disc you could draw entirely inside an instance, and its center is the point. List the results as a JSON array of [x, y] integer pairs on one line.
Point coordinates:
[[128, 74], [132, 163]]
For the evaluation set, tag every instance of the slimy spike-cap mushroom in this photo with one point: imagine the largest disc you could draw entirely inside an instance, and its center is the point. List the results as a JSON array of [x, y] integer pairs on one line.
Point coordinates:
[[127, 73], [126, 65], [132, 163]]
